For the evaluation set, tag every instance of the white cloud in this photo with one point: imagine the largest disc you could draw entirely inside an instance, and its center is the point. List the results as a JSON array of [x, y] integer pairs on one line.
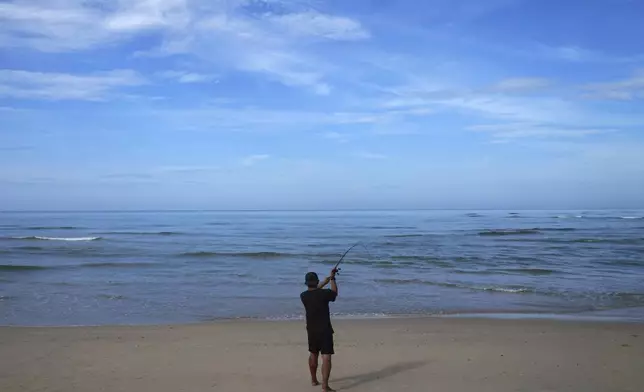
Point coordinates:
[[138, 15], [10, 109], [253, 159], [224, 33], [569, 53], [626, 89], [188, 77], [251, 44], [370, 155], [60, 86], [71, 25], [219, 117], [49, 27], [522, 109], [338, 137], [513, 131], [187, 169], [521, 84], [319, 25], [576, 54], [516, 116]]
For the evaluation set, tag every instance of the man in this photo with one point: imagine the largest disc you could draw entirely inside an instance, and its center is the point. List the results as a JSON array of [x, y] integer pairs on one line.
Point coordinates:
[[318, 324]]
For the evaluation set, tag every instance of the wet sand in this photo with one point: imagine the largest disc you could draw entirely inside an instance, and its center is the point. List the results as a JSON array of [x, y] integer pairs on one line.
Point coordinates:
[[406, 354]]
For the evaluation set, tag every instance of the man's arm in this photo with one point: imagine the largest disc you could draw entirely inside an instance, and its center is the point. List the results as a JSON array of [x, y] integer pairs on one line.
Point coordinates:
[[331, 278], [324, 282], [334, 285]]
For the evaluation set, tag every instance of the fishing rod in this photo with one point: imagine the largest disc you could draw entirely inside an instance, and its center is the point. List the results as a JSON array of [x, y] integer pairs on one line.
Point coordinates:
[[348, 250]]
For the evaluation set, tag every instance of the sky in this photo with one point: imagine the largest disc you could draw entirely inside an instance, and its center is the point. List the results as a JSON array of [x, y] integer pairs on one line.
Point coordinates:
[[312, 104]]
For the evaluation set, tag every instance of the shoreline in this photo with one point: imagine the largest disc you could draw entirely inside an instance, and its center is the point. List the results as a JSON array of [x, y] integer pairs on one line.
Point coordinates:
[[599, 316]]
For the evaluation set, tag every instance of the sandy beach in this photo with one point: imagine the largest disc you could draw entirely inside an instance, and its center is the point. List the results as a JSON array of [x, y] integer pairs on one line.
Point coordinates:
[[428, 354]]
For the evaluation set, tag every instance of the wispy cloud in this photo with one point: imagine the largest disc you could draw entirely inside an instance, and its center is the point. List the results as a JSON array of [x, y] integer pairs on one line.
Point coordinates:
[[162, 173], [523, 108], [11, 109], [569, 53], [252, 43], [577, 54], [336, 136], [16, 148], [71, 25], [254, 159], [60, 86], [318, 25], [625, 89], [521, 84], [221, 117], [270, 38], [513, 131], [187, 77], [187, 169], [370, 155], [126, 177], [554, 110]]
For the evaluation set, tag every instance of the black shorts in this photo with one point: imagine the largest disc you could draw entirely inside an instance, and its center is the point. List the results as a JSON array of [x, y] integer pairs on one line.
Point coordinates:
[[321, 342]]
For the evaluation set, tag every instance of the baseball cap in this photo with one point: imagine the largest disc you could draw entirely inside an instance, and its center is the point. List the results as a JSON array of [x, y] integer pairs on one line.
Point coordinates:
[[311, 277]]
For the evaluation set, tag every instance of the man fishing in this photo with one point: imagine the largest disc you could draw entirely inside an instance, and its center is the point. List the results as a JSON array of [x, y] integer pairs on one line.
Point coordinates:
[[318, 324]]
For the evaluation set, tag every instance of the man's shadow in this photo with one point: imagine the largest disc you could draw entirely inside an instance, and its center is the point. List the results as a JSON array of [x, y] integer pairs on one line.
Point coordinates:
[[359, 379]]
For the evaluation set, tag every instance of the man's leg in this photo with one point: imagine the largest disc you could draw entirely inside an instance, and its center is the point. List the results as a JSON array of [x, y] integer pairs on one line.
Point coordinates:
[[326, 372], [327, 351], [313, 367]]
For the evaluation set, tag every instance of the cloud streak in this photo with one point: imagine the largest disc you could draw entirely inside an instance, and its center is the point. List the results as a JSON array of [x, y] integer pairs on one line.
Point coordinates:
[[515, 131], [625, 89], [521, 84], [370, 155], [187, 77], [60, 86], [252, 160]]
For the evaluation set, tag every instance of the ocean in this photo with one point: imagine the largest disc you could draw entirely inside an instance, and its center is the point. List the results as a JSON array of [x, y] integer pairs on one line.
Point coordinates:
[[161, 267]]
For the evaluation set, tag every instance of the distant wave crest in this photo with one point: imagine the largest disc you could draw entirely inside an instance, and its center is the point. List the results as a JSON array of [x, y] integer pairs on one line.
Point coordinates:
[[528, 271], [597, 217], [509, 232], [52, 228], [165, 233], [618, 241], [456, 285], [11, 267], [116, 265], [39, 238], [233, 254]]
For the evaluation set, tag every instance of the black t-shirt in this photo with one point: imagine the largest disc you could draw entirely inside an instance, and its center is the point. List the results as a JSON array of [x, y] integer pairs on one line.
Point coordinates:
[[316, 303]]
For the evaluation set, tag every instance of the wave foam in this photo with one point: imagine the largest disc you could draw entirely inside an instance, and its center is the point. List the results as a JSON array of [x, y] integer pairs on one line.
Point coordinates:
[[57, 238], [505, 290]]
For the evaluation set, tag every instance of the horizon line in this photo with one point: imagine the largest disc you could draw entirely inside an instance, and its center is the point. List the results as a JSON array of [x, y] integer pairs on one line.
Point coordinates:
[[315, 210]]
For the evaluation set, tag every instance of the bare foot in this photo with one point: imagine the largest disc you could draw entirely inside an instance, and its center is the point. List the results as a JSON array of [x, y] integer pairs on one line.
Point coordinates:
[[328, 389], [315, 383]]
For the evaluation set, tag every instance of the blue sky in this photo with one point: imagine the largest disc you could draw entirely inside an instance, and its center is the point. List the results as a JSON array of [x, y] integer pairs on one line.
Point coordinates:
[[241, 104]]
